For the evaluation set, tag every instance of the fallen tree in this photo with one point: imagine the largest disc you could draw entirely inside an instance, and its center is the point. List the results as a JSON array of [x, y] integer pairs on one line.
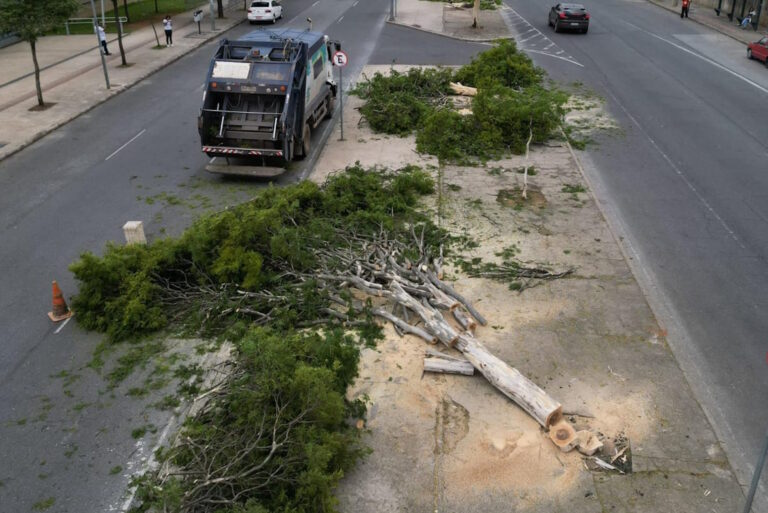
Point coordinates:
[[286, 276]]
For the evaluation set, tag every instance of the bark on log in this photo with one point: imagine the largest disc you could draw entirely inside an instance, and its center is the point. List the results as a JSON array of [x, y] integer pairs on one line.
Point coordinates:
[[545, 410], [404, 326], [448, 366], [463, 90], [438, 354], [511, 382], [464, 320], [458, 297]]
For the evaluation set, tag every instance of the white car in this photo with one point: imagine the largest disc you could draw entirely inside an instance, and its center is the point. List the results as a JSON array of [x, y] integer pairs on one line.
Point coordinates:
[[265, 10]]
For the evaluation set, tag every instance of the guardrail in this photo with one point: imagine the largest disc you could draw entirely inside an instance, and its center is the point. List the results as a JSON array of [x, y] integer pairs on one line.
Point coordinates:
[[89, 21]]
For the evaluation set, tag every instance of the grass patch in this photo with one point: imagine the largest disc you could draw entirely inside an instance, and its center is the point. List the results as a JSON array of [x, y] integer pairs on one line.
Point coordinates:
[[44, 504], [573, 188], [115, 470]]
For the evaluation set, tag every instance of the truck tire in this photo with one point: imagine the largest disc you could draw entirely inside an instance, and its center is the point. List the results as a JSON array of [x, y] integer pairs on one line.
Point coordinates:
[[330, 104]]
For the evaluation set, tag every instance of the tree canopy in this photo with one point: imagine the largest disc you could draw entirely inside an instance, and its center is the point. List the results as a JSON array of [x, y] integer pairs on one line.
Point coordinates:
[[30, 19]]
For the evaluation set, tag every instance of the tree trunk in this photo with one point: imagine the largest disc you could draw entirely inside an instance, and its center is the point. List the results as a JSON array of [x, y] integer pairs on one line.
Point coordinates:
[[220, 5], [441, 366], [119, 32], [125, 6], [475, 13], [511, 382], [156, 11], [32, 43]]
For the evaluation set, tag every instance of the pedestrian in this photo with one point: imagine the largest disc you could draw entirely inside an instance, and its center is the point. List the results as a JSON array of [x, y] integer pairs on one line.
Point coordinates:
[[746, 21], [102, 38], [168, 30], [686, 6]]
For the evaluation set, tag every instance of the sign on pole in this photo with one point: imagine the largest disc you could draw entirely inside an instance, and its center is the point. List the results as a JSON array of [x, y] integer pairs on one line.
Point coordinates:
[[340, 59]]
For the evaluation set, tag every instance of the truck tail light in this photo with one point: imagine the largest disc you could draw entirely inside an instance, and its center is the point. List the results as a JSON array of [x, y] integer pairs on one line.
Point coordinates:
[[250, 11], [586, 16], [561, 15]]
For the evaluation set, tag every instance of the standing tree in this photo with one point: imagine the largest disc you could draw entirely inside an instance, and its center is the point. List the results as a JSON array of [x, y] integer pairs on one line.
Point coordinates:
[[475, 13], [128, 16], [220, 6], [119, 31], [30, 19]]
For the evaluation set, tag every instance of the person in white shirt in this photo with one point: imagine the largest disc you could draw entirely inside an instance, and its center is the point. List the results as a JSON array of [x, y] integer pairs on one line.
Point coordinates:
[[102, 38], [168, 30]]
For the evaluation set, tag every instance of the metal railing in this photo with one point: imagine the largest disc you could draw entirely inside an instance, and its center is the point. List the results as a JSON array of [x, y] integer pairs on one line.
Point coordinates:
[[89, 21]]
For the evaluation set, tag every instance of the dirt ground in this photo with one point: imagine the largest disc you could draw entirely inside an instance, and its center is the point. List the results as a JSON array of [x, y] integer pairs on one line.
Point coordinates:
[[454, 443]]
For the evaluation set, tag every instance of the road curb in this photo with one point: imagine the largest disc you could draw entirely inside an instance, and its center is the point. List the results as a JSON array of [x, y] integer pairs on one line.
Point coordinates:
[[455, 38], [39, 135], [711, 26]]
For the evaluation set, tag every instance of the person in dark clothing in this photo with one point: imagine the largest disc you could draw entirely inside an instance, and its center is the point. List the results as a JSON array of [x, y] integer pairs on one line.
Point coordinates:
[[686, 6], [168, 30]]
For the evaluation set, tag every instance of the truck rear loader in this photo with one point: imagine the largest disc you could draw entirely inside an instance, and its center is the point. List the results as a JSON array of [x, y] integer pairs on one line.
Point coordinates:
[[264, 94]]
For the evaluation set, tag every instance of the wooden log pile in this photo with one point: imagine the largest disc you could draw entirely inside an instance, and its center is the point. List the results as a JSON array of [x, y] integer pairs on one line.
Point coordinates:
[[425, 306]]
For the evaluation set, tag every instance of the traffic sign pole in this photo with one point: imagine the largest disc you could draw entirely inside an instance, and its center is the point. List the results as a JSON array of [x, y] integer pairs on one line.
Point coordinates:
[[341, 101], [340, 59]]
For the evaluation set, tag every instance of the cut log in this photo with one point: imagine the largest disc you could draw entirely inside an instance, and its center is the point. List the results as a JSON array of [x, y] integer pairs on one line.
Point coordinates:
[[404, 326], [463, 90], [438, 354], [448, 366], [511, 382], [458, 297], [464, 320]]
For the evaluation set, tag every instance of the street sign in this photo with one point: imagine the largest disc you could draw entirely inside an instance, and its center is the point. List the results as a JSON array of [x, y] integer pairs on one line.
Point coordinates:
[[340, 59]]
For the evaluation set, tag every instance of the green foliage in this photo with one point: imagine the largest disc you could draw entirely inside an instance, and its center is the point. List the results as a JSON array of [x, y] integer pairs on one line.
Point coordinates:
[[290, 384], [509, 116], [511, 103], [502, 65], [44, 504], [30, 19], [398, 103], [452, 137], [128, 292]]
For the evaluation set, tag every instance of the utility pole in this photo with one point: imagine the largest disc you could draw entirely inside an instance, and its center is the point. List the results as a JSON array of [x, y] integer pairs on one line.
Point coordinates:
[[103, 18], [756, 476], [213, 15], [101, 50]]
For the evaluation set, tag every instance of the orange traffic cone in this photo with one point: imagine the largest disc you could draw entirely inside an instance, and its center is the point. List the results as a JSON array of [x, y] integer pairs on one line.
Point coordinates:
[[60, 309]]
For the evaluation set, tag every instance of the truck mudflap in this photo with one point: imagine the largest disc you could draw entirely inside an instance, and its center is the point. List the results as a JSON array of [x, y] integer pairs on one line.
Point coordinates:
[[241, 152]]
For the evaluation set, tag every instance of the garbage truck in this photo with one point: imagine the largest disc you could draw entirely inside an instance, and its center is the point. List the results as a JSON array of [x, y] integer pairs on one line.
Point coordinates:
[[265, 93]]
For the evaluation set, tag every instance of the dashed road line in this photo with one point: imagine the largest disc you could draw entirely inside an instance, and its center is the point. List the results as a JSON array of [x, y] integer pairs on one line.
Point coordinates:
[[530, 39], [124, 145]]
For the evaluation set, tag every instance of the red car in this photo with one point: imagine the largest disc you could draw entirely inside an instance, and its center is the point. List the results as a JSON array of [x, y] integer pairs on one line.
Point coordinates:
[[759, 50]]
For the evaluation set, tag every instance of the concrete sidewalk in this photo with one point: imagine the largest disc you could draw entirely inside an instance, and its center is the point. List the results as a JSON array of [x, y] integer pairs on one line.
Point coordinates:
[[708, 17], [73, 81], [449, 20]]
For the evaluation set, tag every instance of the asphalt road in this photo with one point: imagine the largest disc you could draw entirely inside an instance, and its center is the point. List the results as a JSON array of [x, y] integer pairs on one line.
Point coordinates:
[[63, 436], [685, 187]]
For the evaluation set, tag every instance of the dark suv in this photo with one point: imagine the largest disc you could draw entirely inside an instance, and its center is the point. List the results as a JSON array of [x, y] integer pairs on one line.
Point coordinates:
[[569, 17]]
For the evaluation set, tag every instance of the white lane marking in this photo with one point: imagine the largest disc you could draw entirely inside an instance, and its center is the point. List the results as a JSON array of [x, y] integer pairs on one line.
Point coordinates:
[[679, 172], [340, 19], [151, 463], [61, 327], [705, 59], [528, 36], [124, 145], [566, 59], [356, 2], [318, 1]]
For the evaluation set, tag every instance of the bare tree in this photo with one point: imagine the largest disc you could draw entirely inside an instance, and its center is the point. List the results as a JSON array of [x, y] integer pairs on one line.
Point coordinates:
[[119, 32]]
